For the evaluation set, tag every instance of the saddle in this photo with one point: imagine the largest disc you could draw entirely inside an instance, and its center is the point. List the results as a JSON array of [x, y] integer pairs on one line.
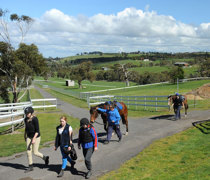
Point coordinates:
[[116, 104]]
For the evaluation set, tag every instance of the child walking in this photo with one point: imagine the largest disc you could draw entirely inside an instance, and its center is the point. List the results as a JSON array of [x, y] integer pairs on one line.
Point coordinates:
[[64, 139], [89, 140]]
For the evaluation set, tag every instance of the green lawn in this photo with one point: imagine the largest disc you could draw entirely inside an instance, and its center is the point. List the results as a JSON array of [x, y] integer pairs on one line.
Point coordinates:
[[182, 156], [48, 120]]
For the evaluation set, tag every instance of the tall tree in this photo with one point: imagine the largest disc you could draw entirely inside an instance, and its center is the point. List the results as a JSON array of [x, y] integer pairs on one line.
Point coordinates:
[[176, 73], [82, 72], [19, 66]]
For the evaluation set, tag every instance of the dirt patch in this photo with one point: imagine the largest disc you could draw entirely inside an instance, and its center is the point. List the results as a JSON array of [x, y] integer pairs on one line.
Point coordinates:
[[200, 93]]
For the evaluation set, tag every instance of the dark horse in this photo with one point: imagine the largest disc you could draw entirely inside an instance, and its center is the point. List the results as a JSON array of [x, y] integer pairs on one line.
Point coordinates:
[[171, 100], [123, 113]]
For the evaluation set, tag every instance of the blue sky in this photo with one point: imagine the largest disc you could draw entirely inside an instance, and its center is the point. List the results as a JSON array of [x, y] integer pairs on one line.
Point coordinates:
[[114, 25]]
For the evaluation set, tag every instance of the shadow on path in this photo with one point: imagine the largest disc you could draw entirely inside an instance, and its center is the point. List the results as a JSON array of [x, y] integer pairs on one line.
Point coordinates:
[[203, 126], [163, 117], [14, 165]]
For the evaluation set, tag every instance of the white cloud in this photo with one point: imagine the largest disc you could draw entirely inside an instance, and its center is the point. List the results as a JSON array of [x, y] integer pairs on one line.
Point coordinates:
[[58, 34]]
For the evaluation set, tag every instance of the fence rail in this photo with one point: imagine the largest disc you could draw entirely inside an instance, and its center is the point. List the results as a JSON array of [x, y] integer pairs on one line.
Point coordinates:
[[13, 110], [134, 101]]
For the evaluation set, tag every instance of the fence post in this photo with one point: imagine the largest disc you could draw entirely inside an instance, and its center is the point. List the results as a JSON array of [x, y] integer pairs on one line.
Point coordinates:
[[194, 100], [156, 103], [12, 119], [145, 99], [135, 103], [128, 102]]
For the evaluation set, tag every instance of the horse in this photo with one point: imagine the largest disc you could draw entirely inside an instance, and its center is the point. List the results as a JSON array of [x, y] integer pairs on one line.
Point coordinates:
[[123, 113], [171, 100]]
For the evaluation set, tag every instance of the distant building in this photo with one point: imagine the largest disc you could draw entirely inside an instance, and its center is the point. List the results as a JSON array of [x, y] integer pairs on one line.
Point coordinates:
[[69, 83], [181, 64], [105, 68], [146, 60]]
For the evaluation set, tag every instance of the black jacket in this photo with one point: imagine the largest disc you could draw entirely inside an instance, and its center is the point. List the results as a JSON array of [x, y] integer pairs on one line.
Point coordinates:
[[32, 127], [64, 138]]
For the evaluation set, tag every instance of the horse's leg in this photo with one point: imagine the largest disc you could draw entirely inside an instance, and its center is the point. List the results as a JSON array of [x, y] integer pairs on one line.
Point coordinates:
[[125, 121], [185, 107], [103, 116]]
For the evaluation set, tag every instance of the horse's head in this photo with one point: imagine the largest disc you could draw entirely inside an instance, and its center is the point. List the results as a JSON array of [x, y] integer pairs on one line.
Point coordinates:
[[93, 114], [169, 100]]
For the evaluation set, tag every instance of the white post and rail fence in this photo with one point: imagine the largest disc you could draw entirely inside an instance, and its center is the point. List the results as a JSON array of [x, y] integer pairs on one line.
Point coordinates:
[[13, 113]]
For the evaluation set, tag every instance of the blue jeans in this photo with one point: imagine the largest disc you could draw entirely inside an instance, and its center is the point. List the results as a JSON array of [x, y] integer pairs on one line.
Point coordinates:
[[110, 130], [177, 113], [65, 157]]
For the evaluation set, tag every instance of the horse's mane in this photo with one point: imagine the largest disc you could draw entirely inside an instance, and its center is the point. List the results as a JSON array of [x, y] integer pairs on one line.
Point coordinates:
[[92, 109]]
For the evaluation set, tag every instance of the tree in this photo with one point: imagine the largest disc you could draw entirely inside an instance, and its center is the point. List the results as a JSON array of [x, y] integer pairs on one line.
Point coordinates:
[[82, 72], [19, 66], [204, 68], [22, 22], [176, 73], [123, 72]]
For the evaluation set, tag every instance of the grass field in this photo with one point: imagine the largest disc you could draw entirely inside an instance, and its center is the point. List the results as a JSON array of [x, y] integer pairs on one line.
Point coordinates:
[[179, 157], [48, 120]]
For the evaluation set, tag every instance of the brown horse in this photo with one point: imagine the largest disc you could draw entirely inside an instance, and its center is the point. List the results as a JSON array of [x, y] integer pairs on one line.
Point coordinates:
[[171, 100], [123, 113]]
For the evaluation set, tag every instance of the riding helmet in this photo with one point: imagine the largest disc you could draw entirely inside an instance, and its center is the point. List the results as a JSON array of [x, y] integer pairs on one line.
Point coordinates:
[[84, 121], [28, 110], [177, 94]]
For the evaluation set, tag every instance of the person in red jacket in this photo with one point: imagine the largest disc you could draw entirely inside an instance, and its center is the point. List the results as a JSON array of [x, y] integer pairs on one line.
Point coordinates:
[[89, 140]]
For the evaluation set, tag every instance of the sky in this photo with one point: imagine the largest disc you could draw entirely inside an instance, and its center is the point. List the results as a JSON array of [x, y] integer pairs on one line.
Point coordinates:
[[68, 27]]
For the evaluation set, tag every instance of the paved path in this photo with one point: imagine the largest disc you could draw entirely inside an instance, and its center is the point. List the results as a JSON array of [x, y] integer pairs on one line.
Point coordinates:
[[142, 132]]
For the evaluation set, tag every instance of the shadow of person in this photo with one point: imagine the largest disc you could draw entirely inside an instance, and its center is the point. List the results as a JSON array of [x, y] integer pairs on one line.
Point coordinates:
[[51, 167], [163, 117], [14, 165], [74, 171]]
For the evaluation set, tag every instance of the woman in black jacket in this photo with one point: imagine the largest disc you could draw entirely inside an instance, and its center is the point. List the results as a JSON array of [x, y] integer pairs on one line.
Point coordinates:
[[32, 138], [64, 140]]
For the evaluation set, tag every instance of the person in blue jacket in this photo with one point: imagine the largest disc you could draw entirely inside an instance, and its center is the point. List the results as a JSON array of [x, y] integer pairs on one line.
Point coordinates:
[[113, 122], [88, 138]]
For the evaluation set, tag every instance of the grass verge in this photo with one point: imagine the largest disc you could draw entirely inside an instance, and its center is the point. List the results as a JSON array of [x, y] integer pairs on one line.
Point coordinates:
[[182, 156], [14, 143]]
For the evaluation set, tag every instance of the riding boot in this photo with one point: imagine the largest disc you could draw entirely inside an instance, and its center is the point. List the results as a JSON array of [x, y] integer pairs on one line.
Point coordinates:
[[61, 173], [46, 159], [30, 168], [89, 173]]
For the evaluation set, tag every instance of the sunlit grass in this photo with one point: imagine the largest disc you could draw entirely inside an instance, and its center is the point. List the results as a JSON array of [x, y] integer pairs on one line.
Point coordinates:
[[182, 156]]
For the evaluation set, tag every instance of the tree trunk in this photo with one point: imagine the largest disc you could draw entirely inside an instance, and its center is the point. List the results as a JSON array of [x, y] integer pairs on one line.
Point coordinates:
[[80, 84], [15, 95]]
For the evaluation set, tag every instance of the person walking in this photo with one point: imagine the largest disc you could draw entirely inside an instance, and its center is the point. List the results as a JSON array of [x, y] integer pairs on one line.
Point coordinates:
[[64, 140], [32, 137], [89, 140], [113, 122], [178, 104]]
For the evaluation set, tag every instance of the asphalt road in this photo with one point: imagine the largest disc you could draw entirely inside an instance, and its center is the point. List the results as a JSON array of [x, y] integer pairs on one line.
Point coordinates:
[[142, 132]]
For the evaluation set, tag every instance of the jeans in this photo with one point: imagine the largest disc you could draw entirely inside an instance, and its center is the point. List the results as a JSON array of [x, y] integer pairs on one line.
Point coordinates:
[[110, 130], [177, 113], [65, 157]]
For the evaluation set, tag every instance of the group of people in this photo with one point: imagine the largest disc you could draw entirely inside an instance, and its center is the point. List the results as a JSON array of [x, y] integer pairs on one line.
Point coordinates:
[[87, 138]]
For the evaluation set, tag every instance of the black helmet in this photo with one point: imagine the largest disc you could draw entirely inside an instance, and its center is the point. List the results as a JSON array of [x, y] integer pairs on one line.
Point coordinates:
[[84, 121], [28, 110]]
